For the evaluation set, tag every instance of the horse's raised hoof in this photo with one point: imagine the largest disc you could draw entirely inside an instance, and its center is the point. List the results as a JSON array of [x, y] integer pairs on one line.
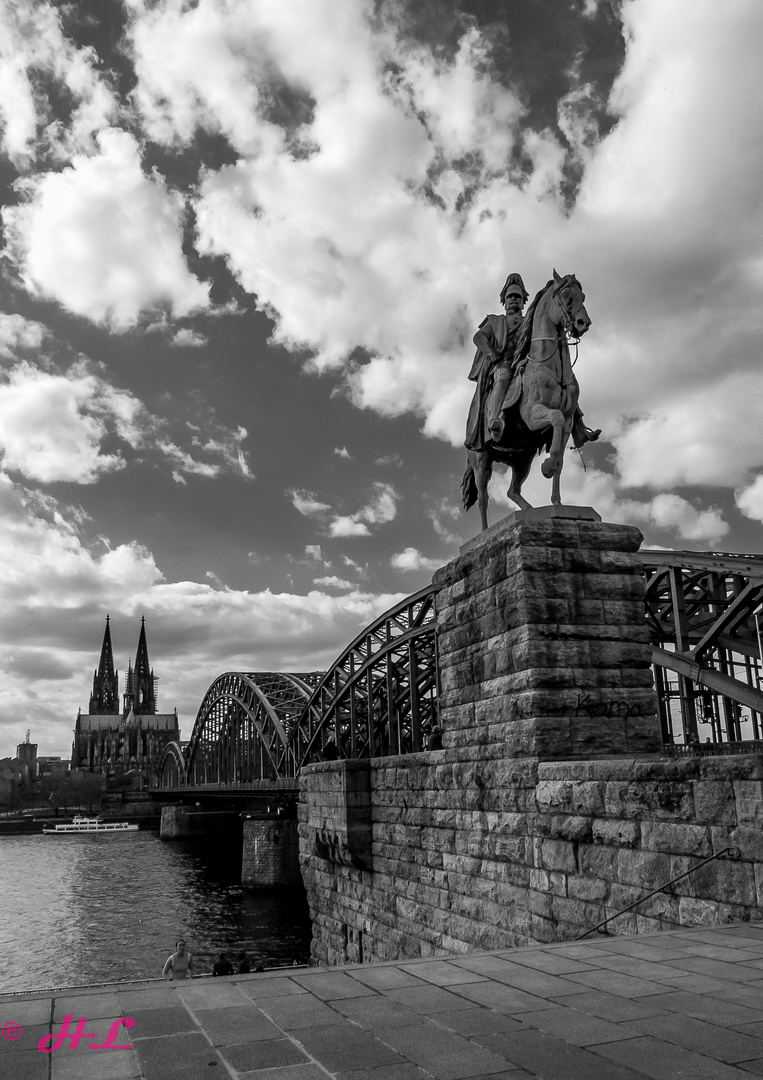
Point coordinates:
[[548, 468]]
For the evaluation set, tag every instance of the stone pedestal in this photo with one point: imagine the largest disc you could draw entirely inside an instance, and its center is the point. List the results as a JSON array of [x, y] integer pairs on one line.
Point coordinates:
[[542, 641]]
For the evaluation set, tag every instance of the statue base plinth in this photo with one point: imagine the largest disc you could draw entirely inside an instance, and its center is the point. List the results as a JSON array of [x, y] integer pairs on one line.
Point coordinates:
[[542, 641], [534, 513]]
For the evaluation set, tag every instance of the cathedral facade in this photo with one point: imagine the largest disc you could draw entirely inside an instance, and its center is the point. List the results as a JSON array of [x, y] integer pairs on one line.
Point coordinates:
[[126, 738]]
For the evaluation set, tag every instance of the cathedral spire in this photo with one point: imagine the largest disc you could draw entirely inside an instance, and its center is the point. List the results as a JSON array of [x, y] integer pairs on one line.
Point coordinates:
[[141, 689], [105, 697]]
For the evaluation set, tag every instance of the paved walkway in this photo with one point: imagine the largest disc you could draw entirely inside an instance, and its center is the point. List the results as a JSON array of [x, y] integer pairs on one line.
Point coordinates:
[[685, 1004]]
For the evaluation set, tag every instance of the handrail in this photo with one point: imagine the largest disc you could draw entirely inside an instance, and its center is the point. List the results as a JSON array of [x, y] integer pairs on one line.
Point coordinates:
[[714, 749], [732, 852]]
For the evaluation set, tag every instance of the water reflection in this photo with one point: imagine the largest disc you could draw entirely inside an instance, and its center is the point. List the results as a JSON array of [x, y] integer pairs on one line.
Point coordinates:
[[80, 909]]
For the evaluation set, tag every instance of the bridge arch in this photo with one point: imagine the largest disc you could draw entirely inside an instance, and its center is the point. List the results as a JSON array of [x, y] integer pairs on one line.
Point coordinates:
[[172, 766], [243, 727], [380, 695]]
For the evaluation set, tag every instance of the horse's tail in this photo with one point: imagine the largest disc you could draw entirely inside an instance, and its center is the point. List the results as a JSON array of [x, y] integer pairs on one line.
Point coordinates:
[[469, 490]]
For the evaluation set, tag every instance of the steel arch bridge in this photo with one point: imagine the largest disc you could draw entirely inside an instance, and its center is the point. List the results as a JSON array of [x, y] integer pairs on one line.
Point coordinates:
[[380, 695]]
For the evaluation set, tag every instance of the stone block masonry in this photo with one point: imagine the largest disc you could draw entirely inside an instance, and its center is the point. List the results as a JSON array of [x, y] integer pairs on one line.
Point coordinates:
[[490, 854], [549, 808], [270, 851], [542, 642]]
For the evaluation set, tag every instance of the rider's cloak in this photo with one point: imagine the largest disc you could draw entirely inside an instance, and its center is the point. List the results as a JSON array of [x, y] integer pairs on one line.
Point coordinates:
[[500, 335]]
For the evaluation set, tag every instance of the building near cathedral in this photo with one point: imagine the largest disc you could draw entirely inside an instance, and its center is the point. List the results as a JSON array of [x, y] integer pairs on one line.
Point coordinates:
[[127, 740]]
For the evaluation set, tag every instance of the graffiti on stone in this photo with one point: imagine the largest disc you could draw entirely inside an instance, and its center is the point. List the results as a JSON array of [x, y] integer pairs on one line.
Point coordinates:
[[610, 708]]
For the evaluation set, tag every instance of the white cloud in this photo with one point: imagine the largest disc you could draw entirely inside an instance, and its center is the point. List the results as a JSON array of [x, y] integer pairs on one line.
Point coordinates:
[[333, 582], [348, 526], [342, 452], [379, 510], [188, 338], [382, 507], [33, 51], [308, 504], [412, 559], [607, 494], [44, 562], [198, 67], [227, 446], [52, 426], [750, 499], [465, 109], [692, 438], [16, 333], [361, 571], [103, 239], [314, 553], [444, 516], [185, 463]]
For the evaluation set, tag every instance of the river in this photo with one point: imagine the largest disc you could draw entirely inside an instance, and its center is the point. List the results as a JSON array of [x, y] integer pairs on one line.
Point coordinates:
[[82, 909]]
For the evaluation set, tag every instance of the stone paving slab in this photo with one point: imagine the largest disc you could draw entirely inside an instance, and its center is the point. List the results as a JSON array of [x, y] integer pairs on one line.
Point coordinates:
[[685, 1004]]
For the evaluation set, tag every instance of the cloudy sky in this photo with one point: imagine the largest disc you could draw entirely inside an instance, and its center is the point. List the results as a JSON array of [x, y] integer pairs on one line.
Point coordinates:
[[246, 244]]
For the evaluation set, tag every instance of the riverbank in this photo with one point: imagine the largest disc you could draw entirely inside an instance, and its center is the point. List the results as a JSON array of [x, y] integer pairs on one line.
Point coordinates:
[[688, 1002]]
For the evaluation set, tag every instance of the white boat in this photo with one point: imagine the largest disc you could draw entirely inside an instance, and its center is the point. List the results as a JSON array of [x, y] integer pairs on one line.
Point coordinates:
[[82, 824]]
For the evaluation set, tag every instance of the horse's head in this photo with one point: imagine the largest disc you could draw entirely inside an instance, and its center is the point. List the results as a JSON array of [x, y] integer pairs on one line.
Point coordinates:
[[570, 297]]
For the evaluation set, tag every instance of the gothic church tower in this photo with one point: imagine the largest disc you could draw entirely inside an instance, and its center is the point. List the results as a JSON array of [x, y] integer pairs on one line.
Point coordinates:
[[140, 685], [104, 699], [130, 742]]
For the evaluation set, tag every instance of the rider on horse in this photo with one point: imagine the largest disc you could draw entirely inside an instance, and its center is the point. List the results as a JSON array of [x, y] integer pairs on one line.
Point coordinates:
[[497, 373]]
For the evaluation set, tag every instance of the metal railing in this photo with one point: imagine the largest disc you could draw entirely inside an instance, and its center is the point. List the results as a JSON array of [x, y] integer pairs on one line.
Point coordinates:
[[750, 746], [731, 852]]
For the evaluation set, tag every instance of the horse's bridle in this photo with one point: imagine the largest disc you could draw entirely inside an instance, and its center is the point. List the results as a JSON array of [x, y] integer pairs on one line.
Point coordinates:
[[568, 316]]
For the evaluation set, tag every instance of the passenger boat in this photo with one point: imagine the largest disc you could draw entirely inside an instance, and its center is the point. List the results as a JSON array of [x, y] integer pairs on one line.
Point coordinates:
[[82, 824]]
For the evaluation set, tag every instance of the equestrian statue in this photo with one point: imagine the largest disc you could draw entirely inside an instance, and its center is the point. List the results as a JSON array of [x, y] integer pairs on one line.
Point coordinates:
[[526, 400]]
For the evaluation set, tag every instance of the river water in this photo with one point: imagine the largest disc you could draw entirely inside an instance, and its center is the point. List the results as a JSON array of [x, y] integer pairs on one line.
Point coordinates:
[[81, 909]]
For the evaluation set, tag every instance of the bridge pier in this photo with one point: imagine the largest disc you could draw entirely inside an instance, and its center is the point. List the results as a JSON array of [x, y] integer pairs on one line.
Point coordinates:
[[270, 851], [181, 822]]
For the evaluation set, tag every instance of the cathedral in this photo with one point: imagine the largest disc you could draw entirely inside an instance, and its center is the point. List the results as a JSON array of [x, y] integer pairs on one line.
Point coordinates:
[[127, 741]]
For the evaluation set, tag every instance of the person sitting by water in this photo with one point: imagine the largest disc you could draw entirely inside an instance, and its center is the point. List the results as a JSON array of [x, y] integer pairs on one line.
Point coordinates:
[[179, 965], [222, 966], [244, 967]]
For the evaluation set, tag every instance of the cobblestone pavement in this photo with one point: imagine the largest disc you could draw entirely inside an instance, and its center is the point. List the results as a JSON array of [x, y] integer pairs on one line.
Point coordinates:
[[681, 1004]]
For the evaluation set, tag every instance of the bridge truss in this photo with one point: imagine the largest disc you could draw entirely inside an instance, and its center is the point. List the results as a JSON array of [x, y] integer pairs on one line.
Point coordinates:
[[380, 695], [702, 610]]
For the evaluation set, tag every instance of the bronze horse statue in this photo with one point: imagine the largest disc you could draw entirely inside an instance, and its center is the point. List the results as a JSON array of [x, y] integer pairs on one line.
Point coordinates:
[[541, 402]]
